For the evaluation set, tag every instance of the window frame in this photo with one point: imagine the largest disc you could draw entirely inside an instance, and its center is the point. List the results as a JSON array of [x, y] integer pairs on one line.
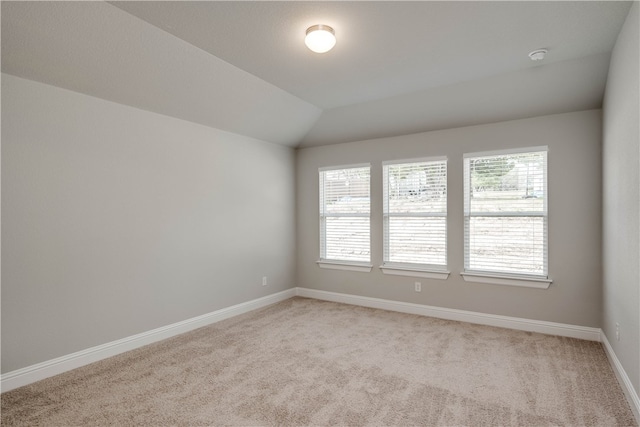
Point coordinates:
[[340, 264], [432, 271], [497, 276]]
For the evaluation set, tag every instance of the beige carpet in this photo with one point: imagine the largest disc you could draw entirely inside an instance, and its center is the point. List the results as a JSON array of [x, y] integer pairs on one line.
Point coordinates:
[[308, 362]]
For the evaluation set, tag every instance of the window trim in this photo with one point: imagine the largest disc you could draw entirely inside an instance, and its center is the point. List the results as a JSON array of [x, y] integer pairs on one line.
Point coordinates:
[[431, 271], [338, 264], [541, 281], [524, 281], [345, 265], [414, 270], [507, 151], [350, 166]]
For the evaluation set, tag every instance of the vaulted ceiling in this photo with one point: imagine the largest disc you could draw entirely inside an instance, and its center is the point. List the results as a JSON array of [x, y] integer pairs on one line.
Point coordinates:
[[398, 67]]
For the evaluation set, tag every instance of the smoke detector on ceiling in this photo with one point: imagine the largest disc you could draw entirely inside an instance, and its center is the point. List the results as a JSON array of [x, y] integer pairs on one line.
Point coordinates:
[[538, 54]]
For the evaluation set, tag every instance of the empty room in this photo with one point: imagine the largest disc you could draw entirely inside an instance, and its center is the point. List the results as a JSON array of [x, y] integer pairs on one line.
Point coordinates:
[[320, 213]]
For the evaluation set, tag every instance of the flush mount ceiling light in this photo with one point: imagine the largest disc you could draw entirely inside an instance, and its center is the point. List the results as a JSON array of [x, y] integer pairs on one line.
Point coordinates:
[[538, 54], [320, 38]]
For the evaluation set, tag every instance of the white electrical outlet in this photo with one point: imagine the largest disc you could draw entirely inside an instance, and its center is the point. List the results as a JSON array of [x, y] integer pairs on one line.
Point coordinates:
[[617, 331], [264, 280], [418, 286]]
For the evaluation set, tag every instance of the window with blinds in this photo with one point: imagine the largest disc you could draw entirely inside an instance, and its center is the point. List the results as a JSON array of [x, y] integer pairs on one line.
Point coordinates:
[[505, 212], [415, 213], [345, 214]]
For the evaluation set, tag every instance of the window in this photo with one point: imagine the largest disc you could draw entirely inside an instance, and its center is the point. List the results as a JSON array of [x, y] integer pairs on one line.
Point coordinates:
[[415, 217], [345, 218], [505, 215]]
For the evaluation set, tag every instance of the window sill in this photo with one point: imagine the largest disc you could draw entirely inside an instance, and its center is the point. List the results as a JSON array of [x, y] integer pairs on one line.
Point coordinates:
[[345, 265], [414, 271], [507, 280]]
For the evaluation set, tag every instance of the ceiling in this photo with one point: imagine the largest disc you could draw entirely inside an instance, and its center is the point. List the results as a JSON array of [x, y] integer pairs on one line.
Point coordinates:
[[397, 68]]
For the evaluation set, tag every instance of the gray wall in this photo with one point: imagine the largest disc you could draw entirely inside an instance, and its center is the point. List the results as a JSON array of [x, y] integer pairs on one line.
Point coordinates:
[[621, 200], [116, 221], [574, 141]]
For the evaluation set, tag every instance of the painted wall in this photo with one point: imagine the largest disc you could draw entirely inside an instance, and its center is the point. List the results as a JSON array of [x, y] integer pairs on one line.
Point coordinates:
[[116, 221], [574, 173], [621, 200]]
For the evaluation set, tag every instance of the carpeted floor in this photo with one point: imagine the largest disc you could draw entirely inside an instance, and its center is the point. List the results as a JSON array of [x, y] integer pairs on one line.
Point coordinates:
[[309, 362]]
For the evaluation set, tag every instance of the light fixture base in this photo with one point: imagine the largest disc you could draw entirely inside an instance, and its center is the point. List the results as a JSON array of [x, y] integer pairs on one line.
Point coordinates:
[[320, 38], [538, 54]]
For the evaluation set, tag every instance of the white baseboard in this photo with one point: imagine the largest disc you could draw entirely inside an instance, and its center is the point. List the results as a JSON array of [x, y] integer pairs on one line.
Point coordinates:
[[550, 328], [37, 372], [49, 368], [623, 378]]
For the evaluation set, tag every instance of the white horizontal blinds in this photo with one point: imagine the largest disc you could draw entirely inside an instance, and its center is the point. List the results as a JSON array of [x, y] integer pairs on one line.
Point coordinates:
[[505, 208], [415, 213], [345, 214]]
